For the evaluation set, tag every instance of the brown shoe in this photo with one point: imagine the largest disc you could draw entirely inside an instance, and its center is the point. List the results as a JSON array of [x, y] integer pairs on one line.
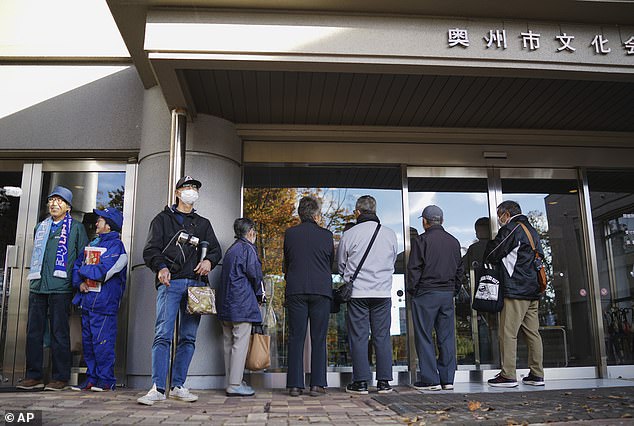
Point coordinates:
[[317, 391], [30, 384], [56, 385]]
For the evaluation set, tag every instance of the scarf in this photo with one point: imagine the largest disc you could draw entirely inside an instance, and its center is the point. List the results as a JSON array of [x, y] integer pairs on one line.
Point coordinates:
[[368, 217], [39, 246]]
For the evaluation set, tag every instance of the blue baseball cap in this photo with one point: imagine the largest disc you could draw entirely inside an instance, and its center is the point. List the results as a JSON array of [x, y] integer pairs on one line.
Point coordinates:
[[432, 213], [62, 192], [113, 217]]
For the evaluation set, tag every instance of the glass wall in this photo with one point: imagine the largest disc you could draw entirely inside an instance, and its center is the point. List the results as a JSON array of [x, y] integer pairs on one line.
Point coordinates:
[[270, 198], [553, 208], [464, 201], [612, 202]]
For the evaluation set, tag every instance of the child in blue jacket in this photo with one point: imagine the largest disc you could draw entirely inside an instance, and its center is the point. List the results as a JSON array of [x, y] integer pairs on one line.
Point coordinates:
[[100, 287]]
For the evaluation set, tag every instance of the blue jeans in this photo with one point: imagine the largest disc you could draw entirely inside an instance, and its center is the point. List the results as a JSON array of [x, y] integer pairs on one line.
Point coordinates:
[[301, 309], [168, 302], [367, 315], [435, 310]]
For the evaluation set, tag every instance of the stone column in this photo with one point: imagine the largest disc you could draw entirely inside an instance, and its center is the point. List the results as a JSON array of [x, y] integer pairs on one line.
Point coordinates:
[[213, 156]]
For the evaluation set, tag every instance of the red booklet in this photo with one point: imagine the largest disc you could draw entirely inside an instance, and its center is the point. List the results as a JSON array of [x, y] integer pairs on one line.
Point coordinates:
[[92, 256]]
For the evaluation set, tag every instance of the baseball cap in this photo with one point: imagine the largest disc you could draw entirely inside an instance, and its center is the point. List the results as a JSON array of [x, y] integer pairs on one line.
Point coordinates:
[[62, 192], [432, 213], [185, 180], [113, 217]]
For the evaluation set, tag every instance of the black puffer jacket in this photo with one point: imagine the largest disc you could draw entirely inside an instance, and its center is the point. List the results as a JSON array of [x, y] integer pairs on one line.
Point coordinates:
[[161, 251], [512, 248]]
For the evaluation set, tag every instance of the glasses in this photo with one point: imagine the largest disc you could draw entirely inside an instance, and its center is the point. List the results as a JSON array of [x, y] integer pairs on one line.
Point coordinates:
[[56, 200]]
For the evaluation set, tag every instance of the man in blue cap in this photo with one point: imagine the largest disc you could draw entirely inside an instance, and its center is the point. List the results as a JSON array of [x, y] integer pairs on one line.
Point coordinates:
[[57, 242], [434, 277], [99, 276]]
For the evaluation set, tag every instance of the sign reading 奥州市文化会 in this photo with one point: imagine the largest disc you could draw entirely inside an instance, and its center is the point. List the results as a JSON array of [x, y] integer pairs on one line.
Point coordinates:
[[498, 39]]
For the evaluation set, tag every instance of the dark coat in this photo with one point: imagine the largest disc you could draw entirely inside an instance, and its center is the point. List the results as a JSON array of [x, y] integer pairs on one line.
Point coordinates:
[[111, 271], [435, 262], [309, 252], [512, 248], [160, 250], [240, 284]]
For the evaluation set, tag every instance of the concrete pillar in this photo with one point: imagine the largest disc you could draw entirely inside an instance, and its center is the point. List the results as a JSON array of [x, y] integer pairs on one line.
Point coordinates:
[[214, 152]]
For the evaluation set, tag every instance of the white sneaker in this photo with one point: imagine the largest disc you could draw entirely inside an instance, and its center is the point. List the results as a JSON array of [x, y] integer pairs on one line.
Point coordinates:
[[182, 394], [151, 397]]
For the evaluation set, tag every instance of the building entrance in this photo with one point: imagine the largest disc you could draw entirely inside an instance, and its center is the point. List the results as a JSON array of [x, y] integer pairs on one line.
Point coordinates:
[[94, 184], [468, 196]]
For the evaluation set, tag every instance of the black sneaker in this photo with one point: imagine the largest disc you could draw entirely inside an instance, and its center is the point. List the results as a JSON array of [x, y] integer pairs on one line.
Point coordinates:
[[500, 381], [360, 388], [533, 380], [383, 386], [427, 386]]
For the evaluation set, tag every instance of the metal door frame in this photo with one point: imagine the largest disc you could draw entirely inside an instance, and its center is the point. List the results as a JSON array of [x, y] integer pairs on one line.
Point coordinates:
[[494, 176], [14, 366]]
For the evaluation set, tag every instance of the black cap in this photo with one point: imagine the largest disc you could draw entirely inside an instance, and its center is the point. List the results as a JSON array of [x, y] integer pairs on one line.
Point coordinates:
[[188, 180]]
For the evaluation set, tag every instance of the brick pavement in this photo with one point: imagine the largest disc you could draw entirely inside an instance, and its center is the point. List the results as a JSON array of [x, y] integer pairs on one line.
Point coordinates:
[[274, 407]]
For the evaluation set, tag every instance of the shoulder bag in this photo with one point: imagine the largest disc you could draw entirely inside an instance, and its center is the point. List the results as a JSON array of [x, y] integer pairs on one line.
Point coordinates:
[[538, 263], [343, 293]]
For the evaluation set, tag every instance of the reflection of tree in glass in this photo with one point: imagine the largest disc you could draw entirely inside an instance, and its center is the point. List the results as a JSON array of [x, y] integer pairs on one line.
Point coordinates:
[[115, 199], [274, 210], [547, 302]]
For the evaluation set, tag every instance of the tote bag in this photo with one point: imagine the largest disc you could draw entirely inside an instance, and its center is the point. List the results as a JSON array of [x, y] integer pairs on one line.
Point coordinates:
[[488, 296], [259, 354]]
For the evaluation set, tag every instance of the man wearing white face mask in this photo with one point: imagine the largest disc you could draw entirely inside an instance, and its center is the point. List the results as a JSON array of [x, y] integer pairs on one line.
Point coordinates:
[[172, 253]]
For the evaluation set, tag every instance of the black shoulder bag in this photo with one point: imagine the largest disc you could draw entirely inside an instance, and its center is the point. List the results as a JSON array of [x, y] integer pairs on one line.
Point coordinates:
[[343, 293]]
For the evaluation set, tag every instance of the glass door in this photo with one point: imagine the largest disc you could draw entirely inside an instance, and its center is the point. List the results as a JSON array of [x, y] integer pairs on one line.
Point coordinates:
[[10, 191], [94, 184], [462, 194], [550, 200]]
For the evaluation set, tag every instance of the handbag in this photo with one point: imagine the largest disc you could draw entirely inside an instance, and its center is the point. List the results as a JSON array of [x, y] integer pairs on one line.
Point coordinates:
[[343, 293], [259, 354], [201, 300], [538, 263], [488, 296]]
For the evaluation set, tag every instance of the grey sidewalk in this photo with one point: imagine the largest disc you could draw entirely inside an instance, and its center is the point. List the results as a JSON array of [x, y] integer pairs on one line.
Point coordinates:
[[603, 402]]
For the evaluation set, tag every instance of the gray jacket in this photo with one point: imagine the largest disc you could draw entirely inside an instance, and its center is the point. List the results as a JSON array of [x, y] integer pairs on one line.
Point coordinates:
[[375, 277]]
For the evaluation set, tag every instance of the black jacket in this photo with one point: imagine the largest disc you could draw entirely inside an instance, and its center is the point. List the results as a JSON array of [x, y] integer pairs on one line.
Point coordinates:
[[162, 251], [512, 248], [308, 255], [435, 263]]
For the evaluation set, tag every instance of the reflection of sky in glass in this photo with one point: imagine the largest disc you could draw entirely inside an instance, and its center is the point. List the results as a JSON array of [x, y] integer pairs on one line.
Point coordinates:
[[388, 205], [460, 211], [108, 182]]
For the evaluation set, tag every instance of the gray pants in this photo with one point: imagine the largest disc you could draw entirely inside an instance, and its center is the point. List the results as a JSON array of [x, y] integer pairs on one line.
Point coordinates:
[[237, 336], [363, 315]]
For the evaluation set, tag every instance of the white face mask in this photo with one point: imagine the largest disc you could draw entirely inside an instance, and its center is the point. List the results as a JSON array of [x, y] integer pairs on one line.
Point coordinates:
[[189, 196]]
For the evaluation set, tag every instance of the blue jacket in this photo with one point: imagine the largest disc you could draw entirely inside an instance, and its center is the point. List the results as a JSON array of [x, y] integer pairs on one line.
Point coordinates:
[[240, 284], [111, 271]]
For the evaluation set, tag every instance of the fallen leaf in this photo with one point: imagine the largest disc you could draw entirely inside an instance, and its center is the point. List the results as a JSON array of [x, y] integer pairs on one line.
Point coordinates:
[[626, 416], [488, 409], [567, 393], [474, 405], [615, 397]]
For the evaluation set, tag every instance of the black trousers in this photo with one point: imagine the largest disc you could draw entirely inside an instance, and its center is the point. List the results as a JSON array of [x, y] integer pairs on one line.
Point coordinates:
[[302, 308], [55, 308]]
